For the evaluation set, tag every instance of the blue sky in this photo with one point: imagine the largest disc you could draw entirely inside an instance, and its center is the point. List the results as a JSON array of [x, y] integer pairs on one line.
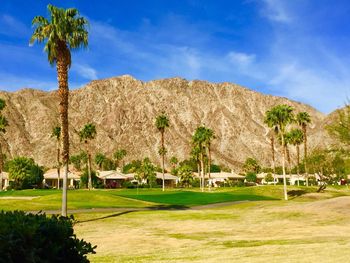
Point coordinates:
[[298, 49]]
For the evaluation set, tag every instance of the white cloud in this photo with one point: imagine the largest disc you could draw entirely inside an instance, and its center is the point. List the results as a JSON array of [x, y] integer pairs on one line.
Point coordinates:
[[324, 90], [85, 71], [10, 82], [241, 59], [276, 10]]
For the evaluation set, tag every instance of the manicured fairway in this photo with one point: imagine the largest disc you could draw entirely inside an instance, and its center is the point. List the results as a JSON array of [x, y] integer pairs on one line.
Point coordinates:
[[191, 198], [36, 200]]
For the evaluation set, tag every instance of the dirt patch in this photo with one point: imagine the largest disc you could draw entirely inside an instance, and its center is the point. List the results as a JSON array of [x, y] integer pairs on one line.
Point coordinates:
[[338, 204], [317, 196], [18, 197]]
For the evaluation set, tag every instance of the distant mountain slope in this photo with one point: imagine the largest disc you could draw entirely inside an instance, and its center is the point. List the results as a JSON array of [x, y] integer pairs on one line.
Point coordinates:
[[124, 110]]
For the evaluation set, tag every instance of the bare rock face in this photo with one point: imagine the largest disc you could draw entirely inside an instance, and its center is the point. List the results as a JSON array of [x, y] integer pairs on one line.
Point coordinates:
[[124, 111]]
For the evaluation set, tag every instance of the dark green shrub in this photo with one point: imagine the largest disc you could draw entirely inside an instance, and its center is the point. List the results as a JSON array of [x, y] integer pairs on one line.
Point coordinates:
[[132, 166], [251, 177], [38, 238], [268, 178], [96, 182], [195, 182], [214, 168], [128, 184], [25, 173]]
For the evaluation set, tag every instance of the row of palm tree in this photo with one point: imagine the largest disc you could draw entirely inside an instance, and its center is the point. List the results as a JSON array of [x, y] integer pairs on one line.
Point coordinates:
[[64, 31], [3, 125], [277, 119]]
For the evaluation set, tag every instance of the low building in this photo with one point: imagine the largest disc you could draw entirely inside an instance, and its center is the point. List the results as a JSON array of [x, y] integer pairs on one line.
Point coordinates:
[[169, 179], [113, 179], [51, 179], [221, 178]]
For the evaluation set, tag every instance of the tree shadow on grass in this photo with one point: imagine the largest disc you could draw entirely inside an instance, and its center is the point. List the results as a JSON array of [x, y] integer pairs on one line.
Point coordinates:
[[168, 207], [296, 193], [105, 217], [150, 208]]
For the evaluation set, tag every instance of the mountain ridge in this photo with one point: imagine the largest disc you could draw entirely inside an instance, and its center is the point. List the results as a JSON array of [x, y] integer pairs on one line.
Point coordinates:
[[124, 108]]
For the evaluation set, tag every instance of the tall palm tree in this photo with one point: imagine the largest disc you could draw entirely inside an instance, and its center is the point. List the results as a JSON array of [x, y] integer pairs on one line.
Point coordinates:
[[270, 121], [3, 125], [303, 119], [63, 31], [56, 133], [162, 122], [296, 139], [283, 115], [195, 155], [87, 133]]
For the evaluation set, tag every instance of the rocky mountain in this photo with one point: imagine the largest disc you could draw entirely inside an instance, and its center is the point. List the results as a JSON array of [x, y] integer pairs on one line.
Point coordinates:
[[124, 109]]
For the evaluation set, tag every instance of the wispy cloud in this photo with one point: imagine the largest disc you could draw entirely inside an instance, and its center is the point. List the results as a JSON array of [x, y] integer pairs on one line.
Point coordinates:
[[11, 26], [276, 10], [240, 58], [85, 71], [10, 82]]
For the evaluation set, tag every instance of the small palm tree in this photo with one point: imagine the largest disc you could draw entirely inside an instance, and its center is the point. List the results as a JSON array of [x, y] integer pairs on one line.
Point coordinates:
[[64, 31], [56, 133], [195, 155], [199, 140], [100, 158], [86, 134], [296, 139], [174, 161], [119, 155], [209, 136], [162, 122], [303, 119], [282, 116], [3, 125]]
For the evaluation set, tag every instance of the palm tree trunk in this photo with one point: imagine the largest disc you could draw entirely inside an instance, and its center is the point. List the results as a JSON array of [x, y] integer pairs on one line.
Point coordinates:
[[289, 164], [63, 92], [162, 135], [58, 164], [209, 163], [298, 162], [199, 173], [273, 159], [89, 171], [1, 167], [305, 155], [202, 170], [64, 188], [284, 169]]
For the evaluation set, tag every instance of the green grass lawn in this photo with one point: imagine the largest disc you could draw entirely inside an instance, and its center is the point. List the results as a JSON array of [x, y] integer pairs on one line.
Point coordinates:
[[35, 200], [192, 198]]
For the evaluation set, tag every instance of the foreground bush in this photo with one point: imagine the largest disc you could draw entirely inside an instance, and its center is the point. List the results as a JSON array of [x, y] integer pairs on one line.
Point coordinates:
[[38, 238]]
